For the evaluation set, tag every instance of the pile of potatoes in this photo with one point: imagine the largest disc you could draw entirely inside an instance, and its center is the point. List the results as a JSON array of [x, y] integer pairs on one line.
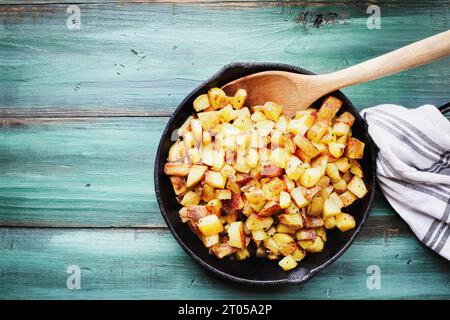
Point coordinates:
[[252, 181]]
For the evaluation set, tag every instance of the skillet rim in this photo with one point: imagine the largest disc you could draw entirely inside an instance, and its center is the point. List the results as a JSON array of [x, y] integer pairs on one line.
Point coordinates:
[[158, 160]]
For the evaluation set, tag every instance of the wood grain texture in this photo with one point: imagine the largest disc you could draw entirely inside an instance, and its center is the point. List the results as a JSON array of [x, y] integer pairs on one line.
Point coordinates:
[[142, 59], [142, 264], [83, 173]]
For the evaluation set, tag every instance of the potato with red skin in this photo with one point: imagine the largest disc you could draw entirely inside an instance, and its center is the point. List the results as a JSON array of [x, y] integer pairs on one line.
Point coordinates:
[[269, 209], [271, 171]]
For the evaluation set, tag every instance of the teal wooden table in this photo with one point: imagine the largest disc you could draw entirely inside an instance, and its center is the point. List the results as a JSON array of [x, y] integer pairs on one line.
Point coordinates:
[[82, 111]]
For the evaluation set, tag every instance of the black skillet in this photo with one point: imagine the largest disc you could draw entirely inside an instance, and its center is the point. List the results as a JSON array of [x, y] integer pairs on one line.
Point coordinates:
[[253, 270]]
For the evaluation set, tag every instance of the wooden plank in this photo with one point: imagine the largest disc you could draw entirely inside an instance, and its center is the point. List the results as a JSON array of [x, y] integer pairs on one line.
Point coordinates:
[[142, 59], [149, 264], [75, 172], [83, 172]]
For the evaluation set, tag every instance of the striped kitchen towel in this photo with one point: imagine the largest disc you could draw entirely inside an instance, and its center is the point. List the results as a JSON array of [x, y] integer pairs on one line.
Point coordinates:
[[413, 168]]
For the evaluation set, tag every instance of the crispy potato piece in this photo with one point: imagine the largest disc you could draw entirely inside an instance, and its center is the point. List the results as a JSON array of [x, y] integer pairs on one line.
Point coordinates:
[[201, 102], [271, 171], [223, 194], [217, 98], [222, 250], [269, 209], [316, 206], [196, 173], [329, 108], [357, 187], [211, 240], [256, 222], [356, 169], [214, 207], [194, 213], [316, 132], [298, 197], [306, 234], [293, 220], [345, 222], [178, 184], [177, 152], [285, 199], [185, 127], [215, 179], [282, 228], [310, 177], [336, 149], [287, 263], [346, 118], [272, 111], [210, 225], [209, 119], [306, 146], [190, 198], [236, 234], [355, 148], [330, 223], [341, 129], [312, 222], [342, 164], [239, 98], [314, 246], [242, 254], [176, 169], [347, 198]]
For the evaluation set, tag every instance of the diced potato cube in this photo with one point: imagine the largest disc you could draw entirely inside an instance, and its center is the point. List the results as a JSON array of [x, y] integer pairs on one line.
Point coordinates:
[[271, 244], [310, 177], [269, 209], [357, 187], [201, 102], [242, 254], [341, 129], [316, 132], [255, 222], [288, 248], [210, 225], [185, 127], [293, 208], [236, 234], [190, 198], [209, 119], [258, 116], [285, 199], [188, 139], [299, 198], [279, 157], [330, 222], [356, 168], [297, 126], [272, 111], [217, 98], [336, 149], [229, 130], [233, 186], [252, 158], [282, 238], [342, 139], [316, 206], [178, 184], [196, 173], [241, 164], [299, 254], [314, 246], [340, 186], [227, 171], [215, 179], [293, 220], [211, 240], [355, 148], [282, 228], [329, 108], [342, 164], [259, 235], [222, 250], [346, 118], [226, 114], [287, 263], [243, 122], [208, 193], [223, 194], [306, 146], [214, 207], [239, 98], [344, 221], [176, 169], [347, 198], [263, 128], [294, 168], [177, 152], [332, 206], [332, 171], [288, 182], [306, 234], [271, 171]]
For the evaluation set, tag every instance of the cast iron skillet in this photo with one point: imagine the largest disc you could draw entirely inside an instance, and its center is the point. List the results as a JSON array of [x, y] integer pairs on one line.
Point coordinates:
[[253, 270]]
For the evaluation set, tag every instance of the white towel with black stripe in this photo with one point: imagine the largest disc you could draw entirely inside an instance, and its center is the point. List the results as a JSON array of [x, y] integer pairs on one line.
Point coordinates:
[[413, 168]]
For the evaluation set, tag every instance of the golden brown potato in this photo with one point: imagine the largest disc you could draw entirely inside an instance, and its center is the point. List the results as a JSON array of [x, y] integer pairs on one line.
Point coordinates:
[[355, 148], [176, 169]]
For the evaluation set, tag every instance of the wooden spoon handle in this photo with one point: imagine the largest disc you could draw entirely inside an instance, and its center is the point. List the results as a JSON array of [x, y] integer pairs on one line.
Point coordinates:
[[410, 56]]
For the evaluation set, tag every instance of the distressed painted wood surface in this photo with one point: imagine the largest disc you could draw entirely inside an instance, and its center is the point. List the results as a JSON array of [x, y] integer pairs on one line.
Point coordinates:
[[81, 113]]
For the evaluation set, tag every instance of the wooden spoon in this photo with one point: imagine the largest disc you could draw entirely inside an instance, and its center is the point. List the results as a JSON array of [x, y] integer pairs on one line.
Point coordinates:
[[298, 91]]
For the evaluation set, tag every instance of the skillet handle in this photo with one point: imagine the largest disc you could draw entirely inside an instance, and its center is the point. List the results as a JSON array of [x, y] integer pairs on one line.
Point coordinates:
[[445, 108]]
